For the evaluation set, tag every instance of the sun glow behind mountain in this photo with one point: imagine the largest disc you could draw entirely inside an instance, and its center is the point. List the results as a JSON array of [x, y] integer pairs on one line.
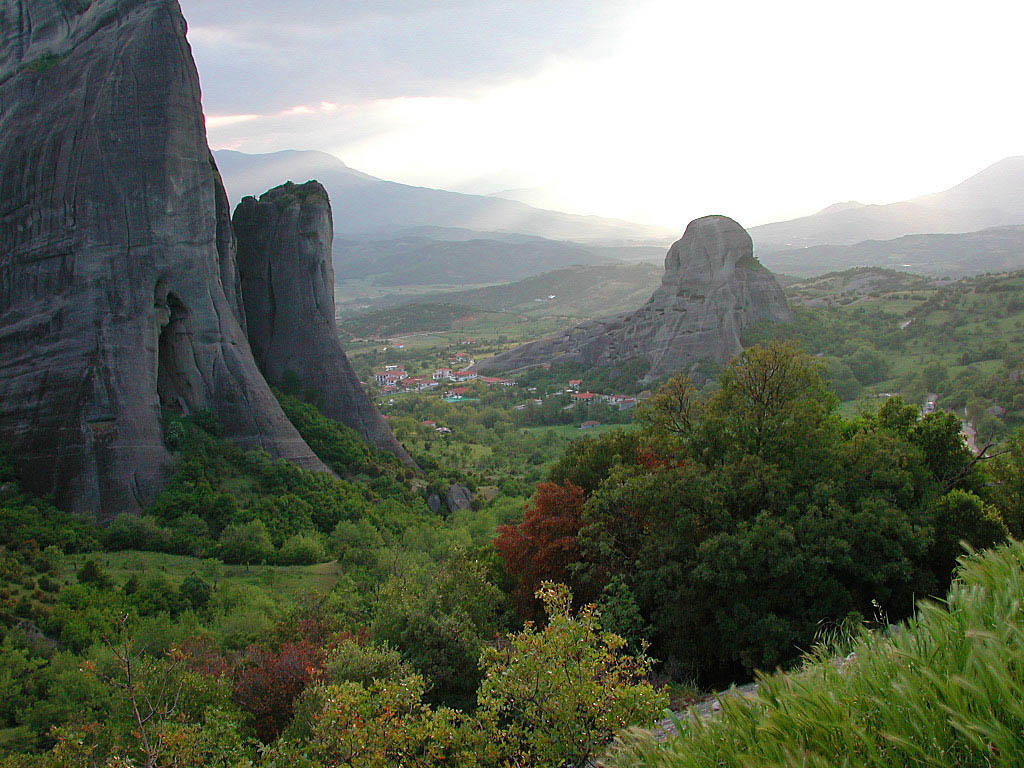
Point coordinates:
[[764, 111]]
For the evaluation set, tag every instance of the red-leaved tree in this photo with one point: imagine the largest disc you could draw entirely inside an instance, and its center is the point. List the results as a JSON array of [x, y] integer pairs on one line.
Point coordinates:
[[544, 545], [268, 683]]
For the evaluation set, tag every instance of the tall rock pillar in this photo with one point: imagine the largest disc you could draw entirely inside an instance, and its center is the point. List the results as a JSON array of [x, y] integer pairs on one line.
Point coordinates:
[[118, 295], [287, 278]]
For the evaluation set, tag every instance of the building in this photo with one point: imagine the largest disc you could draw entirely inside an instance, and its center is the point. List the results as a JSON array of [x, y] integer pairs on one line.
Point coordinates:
[[442, 374], [590, 424], [418, 383], [390, 376], [575, 384], [585, 397], [624, 402], [464, 375], [493, 380]]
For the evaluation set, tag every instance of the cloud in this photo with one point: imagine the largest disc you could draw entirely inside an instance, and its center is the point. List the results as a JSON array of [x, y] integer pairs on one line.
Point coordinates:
[[762, 111], [223, 121], [265, 54]]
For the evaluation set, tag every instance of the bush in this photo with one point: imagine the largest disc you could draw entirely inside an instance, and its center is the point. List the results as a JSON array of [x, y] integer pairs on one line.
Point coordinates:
[[196, 591], [302, 549], [560, 694], [91, 573], [245, 543], [355, 662]]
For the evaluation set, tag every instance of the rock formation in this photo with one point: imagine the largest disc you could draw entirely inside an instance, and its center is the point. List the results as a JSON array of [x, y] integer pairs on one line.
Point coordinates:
[[284, 257], [118, 286], [712, 289]]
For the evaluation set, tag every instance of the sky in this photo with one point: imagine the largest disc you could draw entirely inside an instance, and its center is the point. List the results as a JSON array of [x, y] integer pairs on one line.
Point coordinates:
[[655, 111]]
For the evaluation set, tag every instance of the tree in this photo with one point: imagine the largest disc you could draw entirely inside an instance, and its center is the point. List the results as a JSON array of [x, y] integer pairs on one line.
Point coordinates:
[[270, 681], [440, 621], [957, 517], [556, 696], [196, 591], [674, 410], [544, 545], [946, 454], [151, 691], [1007, 487], [302, 549], [773, 404], [245, 543]]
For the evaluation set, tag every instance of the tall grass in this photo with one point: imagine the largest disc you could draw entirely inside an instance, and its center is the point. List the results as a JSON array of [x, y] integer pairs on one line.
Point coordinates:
[[947, 690]]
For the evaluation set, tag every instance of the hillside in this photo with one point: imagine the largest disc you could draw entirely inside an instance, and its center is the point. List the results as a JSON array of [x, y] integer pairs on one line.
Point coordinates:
[[992, 198], [580, 292], [424, 261], [878, 331], [954, 255], [365, 204]]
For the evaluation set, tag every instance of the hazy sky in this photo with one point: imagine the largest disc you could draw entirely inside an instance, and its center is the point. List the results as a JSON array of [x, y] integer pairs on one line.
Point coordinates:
[[651, 110]]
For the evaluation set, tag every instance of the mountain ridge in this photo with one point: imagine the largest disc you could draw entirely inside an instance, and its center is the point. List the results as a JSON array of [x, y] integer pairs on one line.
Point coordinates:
[[993, 197], [384, 206]]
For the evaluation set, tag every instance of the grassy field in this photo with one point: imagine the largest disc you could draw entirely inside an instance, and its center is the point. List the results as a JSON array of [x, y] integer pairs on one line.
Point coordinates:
[[573, 432], [291, 582]]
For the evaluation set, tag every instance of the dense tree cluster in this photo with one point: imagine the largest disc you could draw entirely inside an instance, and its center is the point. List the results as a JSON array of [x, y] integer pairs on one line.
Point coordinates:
[[738, 522]]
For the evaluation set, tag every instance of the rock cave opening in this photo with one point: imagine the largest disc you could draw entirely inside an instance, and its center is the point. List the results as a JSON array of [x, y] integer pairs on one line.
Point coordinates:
[[176, 363]]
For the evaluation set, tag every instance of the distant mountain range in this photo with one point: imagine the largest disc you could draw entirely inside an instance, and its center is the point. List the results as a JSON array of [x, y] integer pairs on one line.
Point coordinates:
[[999, 249], [365, 205], [992, 198], [395, 234]]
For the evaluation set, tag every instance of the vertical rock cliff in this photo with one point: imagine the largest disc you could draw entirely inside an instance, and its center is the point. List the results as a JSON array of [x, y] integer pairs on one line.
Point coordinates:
[[713, 288], [119, 294], [287, 279]]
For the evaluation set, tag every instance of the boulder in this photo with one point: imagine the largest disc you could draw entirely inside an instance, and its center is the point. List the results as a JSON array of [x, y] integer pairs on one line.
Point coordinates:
[[287, 279], [119, 295], [434, 502], [458, 497], [712, 289]]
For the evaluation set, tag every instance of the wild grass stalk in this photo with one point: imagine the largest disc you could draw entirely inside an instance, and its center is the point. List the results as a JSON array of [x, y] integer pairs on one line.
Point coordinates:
[[946, 691]]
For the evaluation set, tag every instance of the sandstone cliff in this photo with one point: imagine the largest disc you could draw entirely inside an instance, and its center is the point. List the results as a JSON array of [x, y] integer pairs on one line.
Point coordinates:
[[118, 287], [712, 289], [287, 278]]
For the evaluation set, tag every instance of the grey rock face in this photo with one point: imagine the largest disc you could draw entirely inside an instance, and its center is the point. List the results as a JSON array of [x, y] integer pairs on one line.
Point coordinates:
[[458, 497], [284, 256], [712, 289], [118, 288]]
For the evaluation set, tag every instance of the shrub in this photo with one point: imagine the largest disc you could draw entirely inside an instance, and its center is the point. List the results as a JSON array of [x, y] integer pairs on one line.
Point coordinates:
[[245, 543], [270, 681], [302, 549], [557, 696], [91, 573], [196, 591]]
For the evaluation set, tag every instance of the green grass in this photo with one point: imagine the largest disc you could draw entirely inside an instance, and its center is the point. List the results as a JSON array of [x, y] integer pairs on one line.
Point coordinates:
[[573, 432], [946, 690], [290, 581]]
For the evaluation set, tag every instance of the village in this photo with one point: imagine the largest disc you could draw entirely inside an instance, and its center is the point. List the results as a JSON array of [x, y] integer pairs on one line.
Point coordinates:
[[455, 382]]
